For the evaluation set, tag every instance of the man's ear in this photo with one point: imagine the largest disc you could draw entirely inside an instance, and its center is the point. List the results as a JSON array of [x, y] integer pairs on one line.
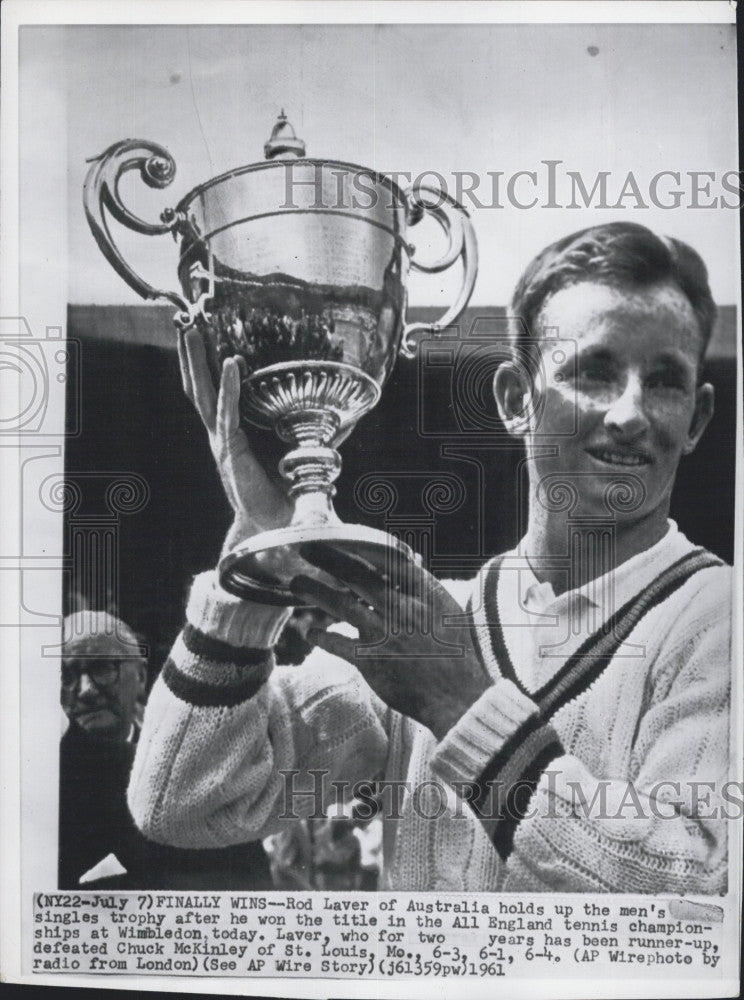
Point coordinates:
[[141, 679], [704, 404], [512, 387]]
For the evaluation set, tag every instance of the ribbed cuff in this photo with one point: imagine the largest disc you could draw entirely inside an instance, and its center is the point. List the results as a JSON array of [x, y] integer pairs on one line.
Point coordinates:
[[240, 623], [472, 743], [502, 794], [224, 654]]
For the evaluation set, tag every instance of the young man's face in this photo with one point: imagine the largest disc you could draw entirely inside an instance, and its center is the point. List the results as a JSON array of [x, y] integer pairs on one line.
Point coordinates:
[[620, 399]]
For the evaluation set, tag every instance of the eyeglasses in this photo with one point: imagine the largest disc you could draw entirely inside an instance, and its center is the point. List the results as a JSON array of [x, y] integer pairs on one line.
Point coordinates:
[[103, 673]]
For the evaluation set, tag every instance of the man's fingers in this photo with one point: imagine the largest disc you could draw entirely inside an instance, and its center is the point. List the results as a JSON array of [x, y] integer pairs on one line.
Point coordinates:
[[204, 396], [341, 604], [408, 599], [377, 676], [183, 364], [228, 412], [332, 642], [393, 686], [361, 576], [377, 572]]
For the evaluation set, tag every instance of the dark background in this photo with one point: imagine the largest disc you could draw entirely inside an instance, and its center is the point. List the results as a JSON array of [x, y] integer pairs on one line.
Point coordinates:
[[133, 417]]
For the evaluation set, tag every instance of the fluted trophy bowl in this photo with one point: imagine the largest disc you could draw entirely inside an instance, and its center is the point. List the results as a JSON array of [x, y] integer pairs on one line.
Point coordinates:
[[299, 267]]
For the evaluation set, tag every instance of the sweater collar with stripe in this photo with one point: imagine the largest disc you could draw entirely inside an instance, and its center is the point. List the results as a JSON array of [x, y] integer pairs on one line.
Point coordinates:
[[525, 622], [622, 583]]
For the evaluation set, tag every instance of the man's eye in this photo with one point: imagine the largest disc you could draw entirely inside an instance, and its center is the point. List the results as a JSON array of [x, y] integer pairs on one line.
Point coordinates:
[[596, 371], [69, 676], [666, 380]]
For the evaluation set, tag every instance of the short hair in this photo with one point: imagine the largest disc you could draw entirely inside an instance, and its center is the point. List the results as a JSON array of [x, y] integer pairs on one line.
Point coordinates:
[[620, 254], [99, 633]]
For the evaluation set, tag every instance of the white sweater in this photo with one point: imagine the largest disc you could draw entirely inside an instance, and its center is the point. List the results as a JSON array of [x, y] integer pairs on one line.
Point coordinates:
[[606, 767]]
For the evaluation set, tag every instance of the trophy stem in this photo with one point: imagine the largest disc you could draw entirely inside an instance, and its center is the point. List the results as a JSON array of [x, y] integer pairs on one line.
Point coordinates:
[[308, 404], [312, 467]]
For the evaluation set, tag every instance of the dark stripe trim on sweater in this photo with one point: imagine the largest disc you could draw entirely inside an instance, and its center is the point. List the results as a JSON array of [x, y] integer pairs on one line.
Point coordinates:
[[519, 792], [517, 766], [602, 644], [491, 608], [584, 666], [205, 695], [504, 790], [510, 748], [475, 640], [201, 644]]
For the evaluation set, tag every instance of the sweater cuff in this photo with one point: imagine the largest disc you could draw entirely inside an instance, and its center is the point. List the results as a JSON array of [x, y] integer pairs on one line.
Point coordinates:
[[501, 795], [212, 610], [494, 757], [223, 656], [471, 744]]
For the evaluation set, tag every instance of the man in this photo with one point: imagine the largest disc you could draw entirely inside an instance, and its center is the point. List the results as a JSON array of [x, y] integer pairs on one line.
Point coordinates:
[[584, 700], [104, 676]]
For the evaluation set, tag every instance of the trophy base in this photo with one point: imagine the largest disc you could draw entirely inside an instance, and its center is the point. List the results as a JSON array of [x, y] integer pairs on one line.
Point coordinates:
[[261, 568]]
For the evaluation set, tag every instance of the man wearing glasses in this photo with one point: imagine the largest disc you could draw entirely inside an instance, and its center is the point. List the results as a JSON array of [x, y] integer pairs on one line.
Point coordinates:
[[104, 677], [103, 686]]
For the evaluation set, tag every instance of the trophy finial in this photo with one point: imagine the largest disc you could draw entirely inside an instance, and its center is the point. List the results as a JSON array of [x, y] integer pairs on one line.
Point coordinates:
[[283, 143]]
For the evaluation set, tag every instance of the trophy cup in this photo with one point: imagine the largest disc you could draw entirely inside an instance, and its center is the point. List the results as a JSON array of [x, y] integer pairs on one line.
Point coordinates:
[[299, 266]]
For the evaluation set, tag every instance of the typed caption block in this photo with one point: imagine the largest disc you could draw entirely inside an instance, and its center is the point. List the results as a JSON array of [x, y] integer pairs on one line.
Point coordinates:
[[383, 935]]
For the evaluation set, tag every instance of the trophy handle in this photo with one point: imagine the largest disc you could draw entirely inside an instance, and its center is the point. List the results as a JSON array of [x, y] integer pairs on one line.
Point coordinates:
[[459, 230], [101, 192]]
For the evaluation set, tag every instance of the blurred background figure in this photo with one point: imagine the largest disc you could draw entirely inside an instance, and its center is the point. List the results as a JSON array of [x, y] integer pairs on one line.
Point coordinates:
[[103, 693], [292, 856], [368, 831], [338, 855], [328, 852]]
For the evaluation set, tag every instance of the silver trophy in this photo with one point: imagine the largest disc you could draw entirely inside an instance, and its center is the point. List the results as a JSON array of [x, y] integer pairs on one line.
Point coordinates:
[[299, 266]]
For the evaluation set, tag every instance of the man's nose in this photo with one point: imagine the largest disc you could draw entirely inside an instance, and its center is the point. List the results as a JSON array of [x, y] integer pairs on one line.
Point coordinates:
[[626, 415], [86, 686]]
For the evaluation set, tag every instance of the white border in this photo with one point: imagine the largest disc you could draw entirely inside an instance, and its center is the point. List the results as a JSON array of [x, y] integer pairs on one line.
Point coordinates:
[[16, 13]]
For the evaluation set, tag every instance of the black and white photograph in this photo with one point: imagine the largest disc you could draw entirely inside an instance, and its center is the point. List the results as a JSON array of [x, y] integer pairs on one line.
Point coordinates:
[[372, 409]]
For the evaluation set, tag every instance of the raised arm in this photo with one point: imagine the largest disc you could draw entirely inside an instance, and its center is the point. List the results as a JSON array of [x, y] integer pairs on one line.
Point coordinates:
[[222, 723], [230, 743]]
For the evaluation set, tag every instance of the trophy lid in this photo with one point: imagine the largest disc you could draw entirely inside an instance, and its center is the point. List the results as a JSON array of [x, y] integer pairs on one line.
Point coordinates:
[[283, 143]]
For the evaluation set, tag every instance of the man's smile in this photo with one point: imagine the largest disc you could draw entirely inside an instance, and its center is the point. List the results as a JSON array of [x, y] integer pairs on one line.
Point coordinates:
[[613, 456], [91, 711]]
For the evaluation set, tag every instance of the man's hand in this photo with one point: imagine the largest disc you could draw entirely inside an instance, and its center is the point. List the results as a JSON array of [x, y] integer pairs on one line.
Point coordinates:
[[257, 502], [422, 667]]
